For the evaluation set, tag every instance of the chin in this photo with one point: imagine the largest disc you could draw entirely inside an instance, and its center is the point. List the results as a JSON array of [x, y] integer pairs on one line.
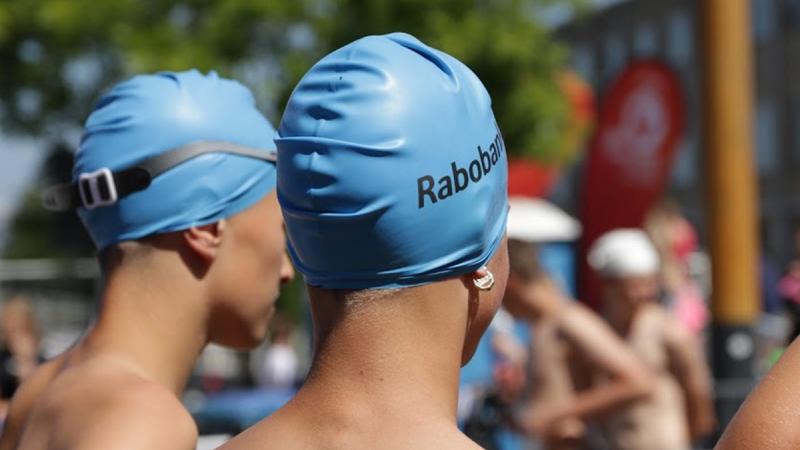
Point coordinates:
[[470, 346], [512, 309], [234, 344], [247, 343], [475, 333], [467, 355], [257, 336], [247, 337]]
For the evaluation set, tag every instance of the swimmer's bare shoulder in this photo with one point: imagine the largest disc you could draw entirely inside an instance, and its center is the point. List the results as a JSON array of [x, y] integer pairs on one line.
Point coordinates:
[[91, 408], [270, 440], [769, 418], [292, 429], [24, 400]]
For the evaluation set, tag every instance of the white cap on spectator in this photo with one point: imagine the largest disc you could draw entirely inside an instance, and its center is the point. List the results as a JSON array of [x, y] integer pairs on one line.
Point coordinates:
[[536, 220], [622, 253]]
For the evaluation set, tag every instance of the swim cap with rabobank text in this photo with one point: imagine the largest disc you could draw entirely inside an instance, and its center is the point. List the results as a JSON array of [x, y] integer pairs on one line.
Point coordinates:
[[392, 170], [151, 114]]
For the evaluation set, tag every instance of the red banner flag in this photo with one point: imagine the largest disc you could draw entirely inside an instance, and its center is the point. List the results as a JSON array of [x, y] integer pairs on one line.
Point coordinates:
[[630, 157]]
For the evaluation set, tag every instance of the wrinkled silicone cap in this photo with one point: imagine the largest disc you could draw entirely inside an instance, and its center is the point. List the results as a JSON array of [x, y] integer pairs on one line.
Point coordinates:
[[392, 170], [151, 114]]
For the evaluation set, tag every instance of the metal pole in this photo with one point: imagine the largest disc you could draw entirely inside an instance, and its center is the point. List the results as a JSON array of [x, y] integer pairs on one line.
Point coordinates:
[[731, 186]]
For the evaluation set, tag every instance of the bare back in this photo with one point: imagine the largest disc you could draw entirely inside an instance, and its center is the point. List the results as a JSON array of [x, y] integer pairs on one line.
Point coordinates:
[[99, 403]]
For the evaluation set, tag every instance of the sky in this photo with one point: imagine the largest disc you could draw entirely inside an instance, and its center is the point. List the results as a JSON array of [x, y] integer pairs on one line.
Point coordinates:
[[20, 158], [19, 163]]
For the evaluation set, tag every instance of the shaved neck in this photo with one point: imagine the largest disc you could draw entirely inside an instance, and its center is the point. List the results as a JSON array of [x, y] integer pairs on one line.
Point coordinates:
[[154, 313], [396, 353]]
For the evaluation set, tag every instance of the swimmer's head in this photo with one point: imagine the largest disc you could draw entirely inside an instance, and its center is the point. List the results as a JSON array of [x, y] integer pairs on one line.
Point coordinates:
[[628, 264], [392, 169], [217, 207]]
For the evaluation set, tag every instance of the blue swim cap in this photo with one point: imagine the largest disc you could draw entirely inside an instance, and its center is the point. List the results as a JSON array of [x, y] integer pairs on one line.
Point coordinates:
[[151, 114], [392, 171]]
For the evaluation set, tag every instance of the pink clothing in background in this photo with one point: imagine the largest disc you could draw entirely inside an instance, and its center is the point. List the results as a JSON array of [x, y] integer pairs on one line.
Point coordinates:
[[690, 309], [789, 287]]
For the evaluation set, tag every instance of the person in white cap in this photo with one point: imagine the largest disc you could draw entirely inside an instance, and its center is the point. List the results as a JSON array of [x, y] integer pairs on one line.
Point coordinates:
[[680, 410], [570, 345]]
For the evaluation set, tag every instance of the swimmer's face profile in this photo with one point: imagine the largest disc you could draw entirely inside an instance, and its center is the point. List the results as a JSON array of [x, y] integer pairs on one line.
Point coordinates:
[[632, 291], [484, 304], [249, 268]]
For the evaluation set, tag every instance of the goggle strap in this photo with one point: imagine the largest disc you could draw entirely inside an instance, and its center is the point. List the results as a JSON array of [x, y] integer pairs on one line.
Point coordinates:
[[67, 196]]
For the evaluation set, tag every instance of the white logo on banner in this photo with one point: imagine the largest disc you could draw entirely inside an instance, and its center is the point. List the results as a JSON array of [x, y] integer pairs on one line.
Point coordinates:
[[634, 141]]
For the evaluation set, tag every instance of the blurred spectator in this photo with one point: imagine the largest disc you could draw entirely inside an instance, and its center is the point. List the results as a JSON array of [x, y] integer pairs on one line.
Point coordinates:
[[280, 368], [571, 346], [490, 382], [770, 285], [681, 409], [220, 368], [675, 240], [511, 357], [789, 290], [19, 354]]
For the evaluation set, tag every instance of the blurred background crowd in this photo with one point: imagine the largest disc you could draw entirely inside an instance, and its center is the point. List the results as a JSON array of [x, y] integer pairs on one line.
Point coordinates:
[[604, 106]]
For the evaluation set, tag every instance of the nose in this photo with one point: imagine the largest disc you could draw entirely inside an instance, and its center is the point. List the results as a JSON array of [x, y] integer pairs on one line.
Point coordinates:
[[287, 270]]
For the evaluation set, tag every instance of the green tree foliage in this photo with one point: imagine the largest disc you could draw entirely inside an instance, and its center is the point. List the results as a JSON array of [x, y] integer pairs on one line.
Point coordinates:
[[57, 56]]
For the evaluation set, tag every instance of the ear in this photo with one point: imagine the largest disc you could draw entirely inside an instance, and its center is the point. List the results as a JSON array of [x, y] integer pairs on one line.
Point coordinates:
[[482, 279], [205, 240], [469, 277], [480, 273]]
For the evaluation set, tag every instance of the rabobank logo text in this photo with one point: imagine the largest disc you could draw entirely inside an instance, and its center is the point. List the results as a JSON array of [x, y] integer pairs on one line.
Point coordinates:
[[458, 179]]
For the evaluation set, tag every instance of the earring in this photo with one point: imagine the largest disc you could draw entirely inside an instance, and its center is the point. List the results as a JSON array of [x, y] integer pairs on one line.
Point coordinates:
[[485, 282]]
